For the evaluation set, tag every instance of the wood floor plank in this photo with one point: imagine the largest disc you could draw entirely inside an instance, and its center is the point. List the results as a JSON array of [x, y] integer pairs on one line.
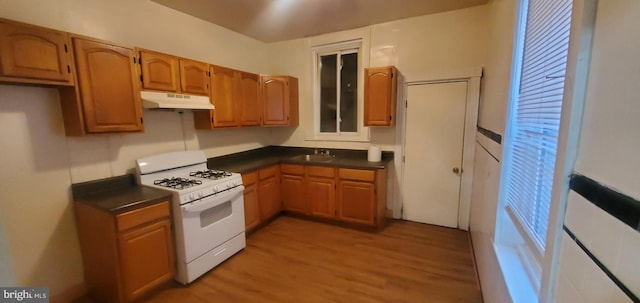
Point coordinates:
[[294, 260]]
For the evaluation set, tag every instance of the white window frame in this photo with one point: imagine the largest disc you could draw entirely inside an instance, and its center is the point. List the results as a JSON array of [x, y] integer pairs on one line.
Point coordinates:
[[345, 47], [521, 258]]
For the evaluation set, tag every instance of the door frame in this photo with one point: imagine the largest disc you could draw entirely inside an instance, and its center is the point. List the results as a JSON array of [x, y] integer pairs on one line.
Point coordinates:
[[472, 78]]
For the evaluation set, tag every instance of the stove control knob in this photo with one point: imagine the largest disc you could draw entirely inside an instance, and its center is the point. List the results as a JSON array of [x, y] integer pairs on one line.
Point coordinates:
[[229, 185], [215, 189]]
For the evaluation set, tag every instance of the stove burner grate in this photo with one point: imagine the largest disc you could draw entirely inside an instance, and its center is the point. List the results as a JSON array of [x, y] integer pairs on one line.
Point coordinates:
[[210, 174], [177, 183]]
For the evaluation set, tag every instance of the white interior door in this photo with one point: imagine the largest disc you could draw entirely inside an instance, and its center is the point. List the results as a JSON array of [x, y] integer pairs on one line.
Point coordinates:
[[433, 151]]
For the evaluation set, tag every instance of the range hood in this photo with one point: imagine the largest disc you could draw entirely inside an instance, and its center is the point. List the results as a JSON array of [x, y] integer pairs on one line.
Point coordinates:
[[159, 100]]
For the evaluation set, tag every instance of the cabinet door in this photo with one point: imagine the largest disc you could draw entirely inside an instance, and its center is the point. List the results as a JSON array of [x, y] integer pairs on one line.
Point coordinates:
[[34, 53], [194, 77], [321, 193], [146, 258], [356, 202], [251, 213], [224, 94], [250, 107], [275, 100], [269, 199], [293, 193], [159, 71], [109, 88], [379, 96]]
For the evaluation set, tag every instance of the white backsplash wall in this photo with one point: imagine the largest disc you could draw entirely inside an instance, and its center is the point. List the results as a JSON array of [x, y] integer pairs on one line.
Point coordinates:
[[608, 154]]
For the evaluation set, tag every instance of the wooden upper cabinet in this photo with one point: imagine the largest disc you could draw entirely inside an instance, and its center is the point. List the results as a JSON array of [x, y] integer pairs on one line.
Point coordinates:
[[250, 106], [107, 96], [173, 74], [236, 98], [224, 94], [380, 89], [159, 71], [31, 54], [279, 100], [194, 77]]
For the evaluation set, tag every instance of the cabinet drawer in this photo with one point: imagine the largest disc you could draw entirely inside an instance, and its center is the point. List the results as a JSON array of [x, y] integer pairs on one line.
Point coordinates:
[[357, 174], [321, 171], [292, 169], [269, 171], [140, 216], [249, 178]]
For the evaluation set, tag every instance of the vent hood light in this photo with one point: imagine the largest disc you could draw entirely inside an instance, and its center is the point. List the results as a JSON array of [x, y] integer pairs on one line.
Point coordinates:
[[158, 100]]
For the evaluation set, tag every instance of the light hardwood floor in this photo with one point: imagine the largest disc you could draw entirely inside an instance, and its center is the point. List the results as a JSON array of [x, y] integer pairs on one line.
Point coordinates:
[[294, 260]]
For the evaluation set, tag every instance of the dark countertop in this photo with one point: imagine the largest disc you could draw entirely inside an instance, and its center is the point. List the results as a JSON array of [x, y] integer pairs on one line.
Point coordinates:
[[122, 194], [118, 194], [252, 160]]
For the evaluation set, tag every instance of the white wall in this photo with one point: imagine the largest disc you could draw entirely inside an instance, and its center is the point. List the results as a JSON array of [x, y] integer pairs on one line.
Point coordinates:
[[608, 153], [421, 47], [488, 153], [39, 163]]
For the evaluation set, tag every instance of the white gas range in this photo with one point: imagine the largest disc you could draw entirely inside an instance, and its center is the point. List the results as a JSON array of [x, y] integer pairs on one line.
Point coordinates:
[[208, 209]]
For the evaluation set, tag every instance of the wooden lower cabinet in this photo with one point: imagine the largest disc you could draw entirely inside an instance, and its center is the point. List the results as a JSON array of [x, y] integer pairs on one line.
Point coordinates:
[[269, 197], [341, 194], [357, 202], [146, 258], [251, 212], [294, 194], [125, 256], [362, 196], [322, 196]]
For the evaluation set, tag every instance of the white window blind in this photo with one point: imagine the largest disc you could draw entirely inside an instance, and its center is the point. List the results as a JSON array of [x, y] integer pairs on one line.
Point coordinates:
[[535, 117]]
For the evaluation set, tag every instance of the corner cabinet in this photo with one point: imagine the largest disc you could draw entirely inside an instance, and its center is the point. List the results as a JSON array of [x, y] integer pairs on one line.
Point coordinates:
[[106, 98], [34, 55], [380, 93], [279, 100], [127, 255], [169, 73]]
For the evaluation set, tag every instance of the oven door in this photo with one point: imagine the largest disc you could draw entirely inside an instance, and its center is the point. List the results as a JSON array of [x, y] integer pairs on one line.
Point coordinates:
[[212, 221]]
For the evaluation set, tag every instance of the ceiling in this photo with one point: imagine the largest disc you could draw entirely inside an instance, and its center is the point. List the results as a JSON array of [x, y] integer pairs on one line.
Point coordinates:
[[278, 20]]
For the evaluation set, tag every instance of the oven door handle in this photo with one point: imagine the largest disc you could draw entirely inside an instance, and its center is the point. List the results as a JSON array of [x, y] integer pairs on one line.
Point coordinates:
[[213, 201]]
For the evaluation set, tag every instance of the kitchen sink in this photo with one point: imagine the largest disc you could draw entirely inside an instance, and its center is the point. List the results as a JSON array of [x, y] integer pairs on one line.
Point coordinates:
[[314, 158]]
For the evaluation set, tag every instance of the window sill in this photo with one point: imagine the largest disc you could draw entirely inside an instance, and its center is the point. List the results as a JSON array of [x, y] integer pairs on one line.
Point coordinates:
[[520, 286]]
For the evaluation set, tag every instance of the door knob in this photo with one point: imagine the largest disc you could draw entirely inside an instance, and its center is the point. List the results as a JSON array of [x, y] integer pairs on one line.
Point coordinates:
[[456, 170]]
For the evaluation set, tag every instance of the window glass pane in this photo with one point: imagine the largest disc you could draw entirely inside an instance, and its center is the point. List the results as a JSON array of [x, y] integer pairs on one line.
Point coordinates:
[[348, 93], [328, 92]]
